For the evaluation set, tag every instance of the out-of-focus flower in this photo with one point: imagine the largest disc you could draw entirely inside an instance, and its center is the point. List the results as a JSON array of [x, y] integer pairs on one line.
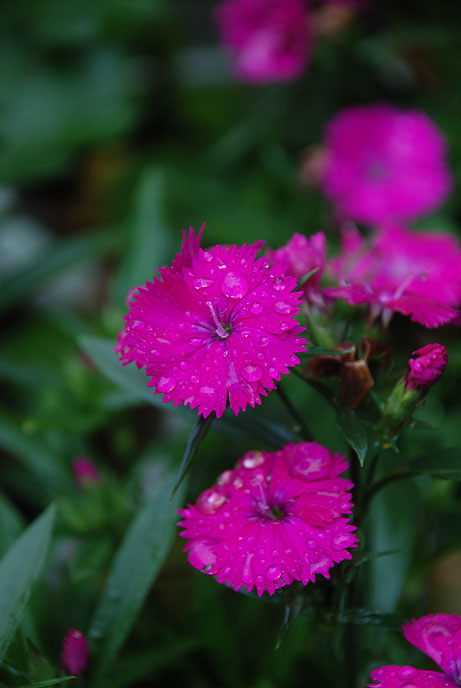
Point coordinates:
[[218, 325], [75, 652], [414, 273], [427, 368], [270, 40], [299, 257], [85, 472], [385, 164], [273, 519], [439, 636]]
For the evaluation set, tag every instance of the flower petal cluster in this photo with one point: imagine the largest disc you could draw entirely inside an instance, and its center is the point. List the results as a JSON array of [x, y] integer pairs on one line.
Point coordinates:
[[75, 653], [439, 636], [218, 326], [275, 518], [270, 39], [414, 273], [301, 255], [427, 368], [385, 164]]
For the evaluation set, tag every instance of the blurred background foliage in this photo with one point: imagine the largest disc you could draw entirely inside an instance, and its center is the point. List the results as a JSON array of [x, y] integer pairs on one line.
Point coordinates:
[[120, 124]]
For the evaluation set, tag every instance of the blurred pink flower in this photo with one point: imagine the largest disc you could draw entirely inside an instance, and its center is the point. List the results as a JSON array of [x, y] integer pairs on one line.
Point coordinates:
[[270, 40], [218, 325], [439, 636], [85, 471], [427, 368], [275, 518], [300, 256], [414, 273], [75, 652], [385, 164]]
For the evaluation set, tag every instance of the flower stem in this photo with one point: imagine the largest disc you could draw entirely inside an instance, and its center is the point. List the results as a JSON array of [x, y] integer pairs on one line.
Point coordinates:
[[297, 417]]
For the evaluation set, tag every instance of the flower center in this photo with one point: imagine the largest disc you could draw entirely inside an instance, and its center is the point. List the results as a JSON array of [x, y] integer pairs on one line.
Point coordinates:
[[223, 330]]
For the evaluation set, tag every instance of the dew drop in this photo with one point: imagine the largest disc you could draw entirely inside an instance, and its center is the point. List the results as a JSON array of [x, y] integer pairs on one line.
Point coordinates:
[[253, 459], [282, 308], [264, 341], [273, 372], [194, 379], [256, 308], [340, 542], [207, 256], [201, 556], [273, 572], [252, 373], [183, 365], [202, 283], [284, 326], [234, 285], [311, 544], [210, 501], [166, 384]]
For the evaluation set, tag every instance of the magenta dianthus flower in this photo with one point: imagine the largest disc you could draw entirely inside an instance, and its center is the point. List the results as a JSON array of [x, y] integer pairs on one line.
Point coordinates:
[[270, 39], [385, 164], [219, 325], [75, 653], [414, 273], [275, 518], [439, 636], [427, 368], [300, 256]]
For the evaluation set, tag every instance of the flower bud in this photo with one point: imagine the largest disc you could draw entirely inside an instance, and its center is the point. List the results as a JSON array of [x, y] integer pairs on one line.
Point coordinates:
[[75, 652], [427, 368], [85, 472]]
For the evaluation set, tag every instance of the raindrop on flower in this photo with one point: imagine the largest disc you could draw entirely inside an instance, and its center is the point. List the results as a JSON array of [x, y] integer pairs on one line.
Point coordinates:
[[166, 384], [234, 285]]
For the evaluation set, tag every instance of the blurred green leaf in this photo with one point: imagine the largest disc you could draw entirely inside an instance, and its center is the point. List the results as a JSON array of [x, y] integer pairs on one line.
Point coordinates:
[[56, 258], [368, 617], [321, 351], [354, 433], [443, 463], [134, 569], [19, 568], [148, 245], [11, 524], [50, 682]]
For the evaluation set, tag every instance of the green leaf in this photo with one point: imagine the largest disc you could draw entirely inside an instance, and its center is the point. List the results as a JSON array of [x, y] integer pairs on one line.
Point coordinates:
[[307, 276], [354, 433], [55, 258], [321, 351], [444, 463], [368, 617], [197, 434], [19, 568], [134, 569], [148, 244], [50, 682], [11, 524]]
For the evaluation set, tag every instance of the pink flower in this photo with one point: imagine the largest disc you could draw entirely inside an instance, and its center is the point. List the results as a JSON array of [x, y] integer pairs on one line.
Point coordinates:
[[414, 273], [75, 652], [300, 256], [218, 325], [85, 471], [439, 636], [273, 519], [427, 368], [385, 164], [269, 39]]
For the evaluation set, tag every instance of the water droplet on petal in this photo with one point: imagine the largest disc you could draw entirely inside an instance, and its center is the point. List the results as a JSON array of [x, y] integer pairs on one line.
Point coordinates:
[[194, 379], [253, 459], [311, 544], [284, 326], [183, 365], [340, 542], [256, 308], [279, 284], [273, 572], [202, 283], [407, 672], [264, 341], [166, 384], [201, 555], [207, 256], [234, 285], [282, 308], [210, 501], [252, 373]]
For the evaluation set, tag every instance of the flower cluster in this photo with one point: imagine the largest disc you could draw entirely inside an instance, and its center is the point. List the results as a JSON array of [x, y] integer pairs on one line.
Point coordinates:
[[384, 164], [275, 518], [217, 326], [439, 636]]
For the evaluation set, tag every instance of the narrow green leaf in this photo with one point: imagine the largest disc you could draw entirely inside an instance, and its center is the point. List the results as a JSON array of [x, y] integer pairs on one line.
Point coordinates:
[[133, 570], [11, 524], [19, 568], [307, 276], [354, 433], [368, 617], [444, 463], [321, 351], [50, 682], [55, 258], [198, 432]]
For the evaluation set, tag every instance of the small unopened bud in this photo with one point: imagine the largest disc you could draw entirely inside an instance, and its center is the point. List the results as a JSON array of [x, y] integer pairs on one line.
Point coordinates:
[[427, 368], [75, 652], [85, 472]]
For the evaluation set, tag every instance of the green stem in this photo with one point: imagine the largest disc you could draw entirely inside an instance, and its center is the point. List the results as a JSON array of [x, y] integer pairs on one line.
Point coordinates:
[[198, 432], [293, 411]]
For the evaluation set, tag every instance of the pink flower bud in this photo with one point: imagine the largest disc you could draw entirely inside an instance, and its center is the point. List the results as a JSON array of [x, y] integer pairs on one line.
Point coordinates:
[[85, 472], [75, 653], [428, 366]]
